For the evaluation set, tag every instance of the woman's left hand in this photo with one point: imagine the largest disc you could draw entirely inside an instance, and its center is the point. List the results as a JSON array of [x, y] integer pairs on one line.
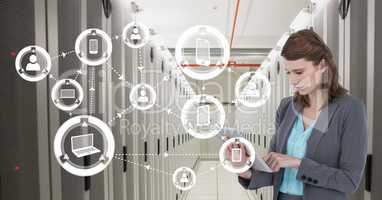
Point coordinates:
[[276, 161]]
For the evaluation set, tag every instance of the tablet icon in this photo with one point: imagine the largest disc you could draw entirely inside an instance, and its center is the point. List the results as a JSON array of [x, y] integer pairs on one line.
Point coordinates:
[[210, 54], [236, 155], [93, 47], [203, 55], [203, 115], [82, 145]]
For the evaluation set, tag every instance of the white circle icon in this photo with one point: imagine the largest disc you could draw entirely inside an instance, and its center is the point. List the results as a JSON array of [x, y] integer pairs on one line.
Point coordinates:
[[67, 94], [84, 136], [252, 89], [142, 96], [93, 47], [135, 35], [237, 155], [202, 52], [33, 63], [184, 178], [203, 116]]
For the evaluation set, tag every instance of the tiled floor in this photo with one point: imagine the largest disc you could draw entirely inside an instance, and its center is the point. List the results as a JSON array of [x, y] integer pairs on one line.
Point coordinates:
[[218, 184]]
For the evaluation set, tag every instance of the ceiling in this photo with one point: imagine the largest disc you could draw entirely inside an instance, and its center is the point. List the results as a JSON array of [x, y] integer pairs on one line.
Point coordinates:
[[260, 24]]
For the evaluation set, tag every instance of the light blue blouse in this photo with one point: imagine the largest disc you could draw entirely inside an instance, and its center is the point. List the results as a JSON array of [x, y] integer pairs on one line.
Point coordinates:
[[296, 147]]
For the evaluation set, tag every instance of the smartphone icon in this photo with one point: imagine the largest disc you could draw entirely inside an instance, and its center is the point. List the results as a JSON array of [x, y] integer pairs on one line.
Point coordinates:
[[236, 155], [203, 115], [203, 55], [93, 46]]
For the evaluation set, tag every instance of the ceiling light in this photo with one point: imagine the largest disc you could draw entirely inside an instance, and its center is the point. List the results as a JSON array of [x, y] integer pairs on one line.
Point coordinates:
[[318, 5], [302, 21]]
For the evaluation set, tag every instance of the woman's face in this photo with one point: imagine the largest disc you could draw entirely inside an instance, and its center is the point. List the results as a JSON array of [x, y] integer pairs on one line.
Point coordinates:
[[303, 75]]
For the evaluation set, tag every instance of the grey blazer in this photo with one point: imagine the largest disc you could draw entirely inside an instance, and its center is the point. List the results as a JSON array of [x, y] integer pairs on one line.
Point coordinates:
[[336, 151]]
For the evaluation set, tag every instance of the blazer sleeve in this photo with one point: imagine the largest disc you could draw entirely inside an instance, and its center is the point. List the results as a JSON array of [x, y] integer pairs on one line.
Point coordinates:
[[347, 176], [261, 179]]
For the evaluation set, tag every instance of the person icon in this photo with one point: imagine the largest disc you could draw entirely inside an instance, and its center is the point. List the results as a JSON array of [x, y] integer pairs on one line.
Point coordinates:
[[184, 179], [142, 96], [190, 126], [135, 35], [33, 65]]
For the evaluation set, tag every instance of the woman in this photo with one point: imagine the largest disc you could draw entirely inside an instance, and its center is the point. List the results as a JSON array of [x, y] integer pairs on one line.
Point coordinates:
[[319, 148]]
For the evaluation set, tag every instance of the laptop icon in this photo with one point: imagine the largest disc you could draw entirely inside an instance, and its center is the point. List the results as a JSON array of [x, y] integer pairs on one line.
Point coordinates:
[[82, 145]]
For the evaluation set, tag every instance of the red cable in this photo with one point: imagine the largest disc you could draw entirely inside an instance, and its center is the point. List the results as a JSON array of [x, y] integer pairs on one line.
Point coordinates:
[[228, 65], [234, 22]]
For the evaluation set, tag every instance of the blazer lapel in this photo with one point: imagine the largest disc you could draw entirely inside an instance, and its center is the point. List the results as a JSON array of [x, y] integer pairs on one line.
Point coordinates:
[[320, 128], [286, 128]]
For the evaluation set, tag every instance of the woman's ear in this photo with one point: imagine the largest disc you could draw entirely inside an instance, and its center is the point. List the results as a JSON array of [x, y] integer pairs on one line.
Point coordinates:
[[324, 71]]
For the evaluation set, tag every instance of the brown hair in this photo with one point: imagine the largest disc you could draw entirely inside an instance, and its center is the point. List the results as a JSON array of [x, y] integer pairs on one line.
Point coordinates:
[[308, 45]]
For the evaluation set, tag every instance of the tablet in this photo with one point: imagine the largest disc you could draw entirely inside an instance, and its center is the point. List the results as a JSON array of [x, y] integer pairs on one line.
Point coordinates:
[[261, 165]]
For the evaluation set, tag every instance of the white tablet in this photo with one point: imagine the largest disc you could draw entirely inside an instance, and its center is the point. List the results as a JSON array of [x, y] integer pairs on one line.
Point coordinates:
[[260, 165]]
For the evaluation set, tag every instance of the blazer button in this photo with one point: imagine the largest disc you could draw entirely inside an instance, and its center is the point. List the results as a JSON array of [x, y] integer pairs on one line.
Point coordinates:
[[315, 181], [310, 179], [303, 177]]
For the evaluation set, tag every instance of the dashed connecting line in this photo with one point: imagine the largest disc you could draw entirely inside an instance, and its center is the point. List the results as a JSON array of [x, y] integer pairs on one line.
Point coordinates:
[[120, 77], [63, 54], [52, 77], [209, 171], [78, 73], [116, 37], [120, 114], [169, 112], [124, 111], [165, 155], [230, 70], [165, 79], [147, 167]]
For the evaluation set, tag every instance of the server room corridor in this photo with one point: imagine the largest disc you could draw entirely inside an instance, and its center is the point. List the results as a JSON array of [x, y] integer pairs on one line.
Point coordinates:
[[190, 99], [218, 184]]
